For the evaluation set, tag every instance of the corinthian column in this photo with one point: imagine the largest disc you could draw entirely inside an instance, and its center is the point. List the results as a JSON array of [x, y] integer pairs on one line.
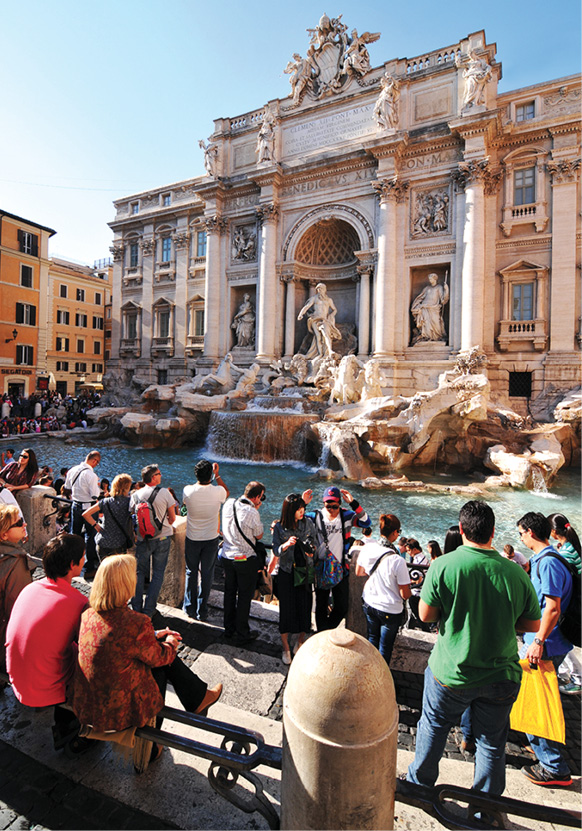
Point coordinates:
[[290, 281], [473, 175], [391, 191], [214, 226], [365, 270], [267, 318], [564, 172]]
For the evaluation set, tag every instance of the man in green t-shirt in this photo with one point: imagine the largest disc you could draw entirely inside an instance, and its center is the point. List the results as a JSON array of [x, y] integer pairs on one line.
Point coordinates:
[[479, 599]]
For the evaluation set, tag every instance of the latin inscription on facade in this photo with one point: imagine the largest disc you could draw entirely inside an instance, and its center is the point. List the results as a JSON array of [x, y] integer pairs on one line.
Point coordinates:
[[329, 130], [337, 180], [440, 157]]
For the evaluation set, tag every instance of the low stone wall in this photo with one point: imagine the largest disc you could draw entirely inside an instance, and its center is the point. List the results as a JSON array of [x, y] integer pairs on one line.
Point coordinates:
[[172, 593]]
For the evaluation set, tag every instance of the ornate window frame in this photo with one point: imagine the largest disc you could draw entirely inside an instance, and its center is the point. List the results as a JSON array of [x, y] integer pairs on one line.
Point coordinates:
[[532, 332], [535, 213], [163, 344], [194, 341], [130, 347]]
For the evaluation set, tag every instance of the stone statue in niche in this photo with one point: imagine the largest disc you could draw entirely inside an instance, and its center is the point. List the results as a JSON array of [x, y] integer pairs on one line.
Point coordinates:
[[431, 213], [476, 74], [427, 311], [244, 323], [386, 108], [266, 139], [244, 244], [210, 156], [321, 322], [357, 58]]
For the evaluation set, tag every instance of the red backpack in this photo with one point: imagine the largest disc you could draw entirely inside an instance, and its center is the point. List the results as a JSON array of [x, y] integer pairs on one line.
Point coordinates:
[[148, 525]]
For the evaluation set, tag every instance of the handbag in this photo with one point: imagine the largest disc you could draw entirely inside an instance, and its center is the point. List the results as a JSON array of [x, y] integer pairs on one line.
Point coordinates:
[[258, 547], [538, 707], [328, 570]]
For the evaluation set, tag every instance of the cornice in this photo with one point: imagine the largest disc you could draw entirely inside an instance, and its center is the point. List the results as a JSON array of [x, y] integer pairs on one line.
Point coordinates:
[[295, 177], [387, 146], [487, 123], [423, 147], [539, 241]]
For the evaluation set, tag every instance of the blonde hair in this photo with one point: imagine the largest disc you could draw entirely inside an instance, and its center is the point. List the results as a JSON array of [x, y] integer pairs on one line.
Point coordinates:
[[121, 485], [8, 515], [114, 583]]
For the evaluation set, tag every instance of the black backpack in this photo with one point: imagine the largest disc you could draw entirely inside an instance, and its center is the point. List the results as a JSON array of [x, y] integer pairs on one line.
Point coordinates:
[[570, 622]]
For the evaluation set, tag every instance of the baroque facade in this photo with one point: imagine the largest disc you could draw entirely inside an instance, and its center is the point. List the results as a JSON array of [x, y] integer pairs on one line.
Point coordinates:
[[439, 215]]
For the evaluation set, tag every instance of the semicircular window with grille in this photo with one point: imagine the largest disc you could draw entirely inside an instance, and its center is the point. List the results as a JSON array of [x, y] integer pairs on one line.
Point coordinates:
[[328, 242]]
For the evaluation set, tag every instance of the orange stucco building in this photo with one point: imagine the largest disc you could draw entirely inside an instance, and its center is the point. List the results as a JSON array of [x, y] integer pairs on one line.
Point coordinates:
[[24, 267]]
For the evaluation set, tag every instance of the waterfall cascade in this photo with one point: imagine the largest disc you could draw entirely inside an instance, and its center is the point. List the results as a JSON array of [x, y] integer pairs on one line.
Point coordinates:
[[264, 436]]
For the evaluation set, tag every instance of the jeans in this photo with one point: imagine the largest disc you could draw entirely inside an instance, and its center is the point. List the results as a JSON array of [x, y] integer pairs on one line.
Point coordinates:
[[340, 595], [240, 582], [200, 555], [382, 629], [441, 709], [156, 550], [547, 752], [82, 528]]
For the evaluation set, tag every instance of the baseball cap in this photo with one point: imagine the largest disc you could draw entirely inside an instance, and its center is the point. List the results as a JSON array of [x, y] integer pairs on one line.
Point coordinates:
[[332, 493]]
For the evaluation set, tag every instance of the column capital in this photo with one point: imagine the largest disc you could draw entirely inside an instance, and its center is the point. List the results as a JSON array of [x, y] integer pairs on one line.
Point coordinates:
[[147, 246], [563, 170], [366, 261], [477, 171], [215, 224], [267, 212], [117, 251], [289, 278], [181, 239], [393, 189]]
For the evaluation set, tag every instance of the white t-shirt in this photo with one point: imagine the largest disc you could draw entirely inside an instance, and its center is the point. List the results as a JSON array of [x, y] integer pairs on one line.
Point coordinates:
[[335, 539], [381, 589], [162, 502], [203, 503], [517, 558]]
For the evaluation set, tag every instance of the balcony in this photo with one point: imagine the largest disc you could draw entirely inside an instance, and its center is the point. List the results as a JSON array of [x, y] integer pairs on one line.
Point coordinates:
[[533, 214], [130, 347], [162, 347], [194, 344], [522, 333]]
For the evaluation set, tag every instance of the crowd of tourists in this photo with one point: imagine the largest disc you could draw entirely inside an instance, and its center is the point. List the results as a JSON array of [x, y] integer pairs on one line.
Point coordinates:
[[45, 412], [109, 659]]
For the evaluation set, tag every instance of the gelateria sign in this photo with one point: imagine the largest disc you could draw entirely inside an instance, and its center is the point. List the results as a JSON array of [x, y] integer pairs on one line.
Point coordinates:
[[329, 130]]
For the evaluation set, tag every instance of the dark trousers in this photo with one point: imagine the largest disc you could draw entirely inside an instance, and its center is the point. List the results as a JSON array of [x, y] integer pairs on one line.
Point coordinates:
[[83, 529], [340, 594], [188, 687], [240, 581]]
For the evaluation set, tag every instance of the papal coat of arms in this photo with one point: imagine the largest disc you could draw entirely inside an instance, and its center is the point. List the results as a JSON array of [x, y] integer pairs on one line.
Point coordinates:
[[334, 57]]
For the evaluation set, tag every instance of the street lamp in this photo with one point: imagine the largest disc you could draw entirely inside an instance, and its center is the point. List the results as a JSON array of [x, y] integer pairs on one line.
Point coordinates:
[[14, 336]]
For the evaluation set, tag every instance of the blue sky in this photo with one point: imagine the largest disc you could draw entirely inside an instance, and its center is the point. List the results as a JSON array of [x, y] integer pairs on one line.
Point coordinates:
[[102, 99]]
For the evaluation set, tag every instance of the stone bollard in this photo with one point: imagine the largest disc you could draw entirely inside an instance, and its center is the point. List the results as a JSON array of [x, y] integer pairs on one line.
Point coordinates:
[[172, 593], [340, 729], [34, 509], [356, 619]]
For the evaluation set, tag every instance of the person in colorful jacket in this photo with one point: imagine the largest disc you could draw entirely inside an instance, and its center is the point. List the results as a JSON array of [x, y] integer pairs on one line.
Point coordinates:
[[334, 527]]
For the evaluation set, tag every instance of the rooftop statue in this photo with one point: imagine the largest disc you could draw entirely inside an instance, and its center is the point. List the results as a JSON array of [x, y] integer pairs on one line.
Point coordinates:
[[357, 58], [386, 109], [266, 139], [210, 156], [476, 74], [427, 311], [321, 322]]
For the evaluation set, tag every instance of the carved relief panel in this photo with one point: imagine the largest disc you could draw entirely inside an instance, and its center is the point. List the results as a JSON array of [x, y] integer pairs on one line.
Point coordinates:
[[244, 244], [430, 212]]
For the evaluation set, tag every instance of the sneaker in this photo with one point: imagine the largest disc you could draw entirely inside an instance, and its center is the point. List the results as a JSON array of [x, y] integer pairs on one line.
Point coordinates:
[[286, 658], [570, 688], [468, 746], [252, 636], [539, 775]]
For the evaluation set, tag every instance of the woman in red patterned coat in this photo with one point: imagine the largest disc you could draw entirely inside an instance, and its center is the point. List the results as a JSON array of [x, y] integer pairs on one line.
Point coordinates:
[[116, 683]]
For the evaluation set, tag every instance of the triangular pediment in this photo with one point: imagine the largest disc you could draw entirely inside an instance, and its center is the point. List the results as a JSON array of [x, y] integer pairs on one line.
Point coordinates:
[[522, 265]]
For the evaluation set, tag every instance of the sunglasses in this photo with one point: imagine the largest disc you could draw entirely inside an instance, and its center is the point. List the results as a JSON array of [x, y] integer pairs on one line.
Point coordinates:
[[329, 505], [18, 524], [24, 455], [263, 497]]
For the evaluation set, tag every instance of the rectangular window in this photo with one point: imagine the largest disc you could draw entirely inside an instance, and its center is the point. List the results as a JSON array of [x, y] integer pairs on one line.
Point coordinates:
[[131, 324], [107, 334], [97, 322], [62, 344], [524, 186], [81, 320], [97, 368], [24, 355], [63, 291], [80, 346], [162, 376], [166, 200], [524, 112], [107, 355], [134, 208], [523, 302], [81, 295], [164, 324], [133, 255], [26, 276], [108, 313], [97, 298], [520, 384], [28, 243], [80, 366], [199, 322], [166, 249], [26, 314], [62, 366], [96, 347], [63, 317], [201, 244]]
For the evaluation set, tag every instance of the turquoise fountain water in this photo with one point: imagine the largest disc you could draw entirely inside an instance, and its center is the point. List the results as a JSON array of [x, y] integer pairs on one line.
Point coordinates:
[[423, 515]]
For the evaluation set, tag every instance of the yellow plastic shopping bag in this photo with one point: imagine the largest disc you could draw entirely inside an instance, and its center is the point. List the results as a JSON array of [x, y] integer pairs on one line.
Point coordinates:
[[538, 708]]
